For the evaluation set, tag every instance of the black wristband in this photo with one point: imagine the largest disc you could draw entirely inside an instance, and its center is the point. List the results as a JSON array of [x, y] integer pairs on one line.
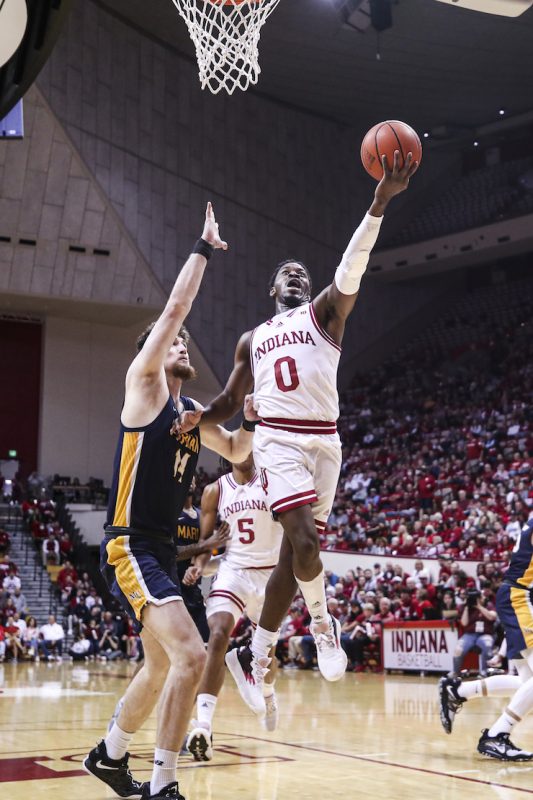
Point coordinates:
[[250, 424], [203, 248]]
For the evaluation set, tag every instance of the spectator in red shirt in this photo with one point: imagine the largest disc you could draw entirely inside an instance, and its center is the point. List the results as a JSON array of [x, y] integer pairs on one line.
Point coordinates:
[[477, 621], [66, 572], [406, 609], [65, 545], [426, 490], [4, 541]]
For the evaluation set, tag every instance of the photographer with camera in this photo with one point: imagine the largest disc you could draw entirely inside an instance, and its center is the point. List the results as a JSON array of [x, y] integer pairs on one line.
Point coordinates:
[[477, 621]]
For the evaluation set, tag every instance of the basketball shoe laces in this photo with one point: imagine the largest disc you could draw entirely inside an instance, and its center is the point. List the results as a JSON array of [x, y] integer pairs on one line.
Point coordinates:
[[271, 703], [327, 640], [260, 667]]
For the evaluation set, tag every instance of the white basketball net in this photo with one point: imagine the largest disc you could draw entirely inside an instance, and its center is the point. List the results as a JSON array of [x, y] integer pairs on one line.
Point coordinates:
[[226, 39]]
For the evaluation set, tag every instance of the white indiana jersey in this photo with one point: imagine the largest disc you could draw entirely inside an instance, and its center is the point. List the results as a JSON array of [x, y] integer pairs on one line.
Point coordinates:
[[255, 537], [294, 363]]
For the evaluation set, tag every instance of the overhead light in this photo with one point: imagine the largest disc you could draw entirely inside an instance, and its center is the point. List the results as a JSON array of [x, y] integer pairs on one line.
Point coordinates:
[[426, 134], [502, 112], [476, 143]]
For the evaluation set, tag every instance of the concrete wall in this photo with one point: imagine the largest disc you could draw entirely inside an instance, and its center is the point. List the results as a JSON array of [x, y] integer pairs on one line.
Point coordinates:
[[340, 563], [84, 366]]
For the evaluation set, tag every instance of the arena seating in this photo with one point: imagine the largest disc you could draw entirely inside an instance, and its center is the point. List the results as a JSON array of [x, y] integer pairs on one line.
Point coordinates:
[[478, 198]]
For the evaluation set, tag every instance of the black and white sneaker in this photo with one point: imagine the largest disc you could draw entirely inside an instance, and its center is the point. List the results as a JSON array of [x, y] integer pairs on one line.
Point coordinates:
[[450, 701], [501, 747], [114, 773], [200, 743], [169, 792]]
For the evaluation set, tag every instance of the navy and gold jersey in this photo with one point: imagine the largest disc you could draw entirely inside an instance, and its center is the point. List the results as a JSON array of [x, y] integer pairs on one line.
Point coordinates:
[[187, 532], [520, 572], [152, 474]]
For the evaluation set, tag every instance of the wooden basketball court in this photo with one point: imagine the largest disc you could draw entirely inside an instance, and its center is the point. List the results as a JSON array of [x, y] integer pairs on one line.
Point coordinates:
[[367, 736]]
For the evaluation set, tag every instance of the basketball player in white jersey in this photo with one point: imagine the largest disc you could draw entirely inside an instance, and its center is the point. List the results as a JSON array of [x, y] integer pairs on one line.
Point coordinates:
[[239, 586], [291, 360]]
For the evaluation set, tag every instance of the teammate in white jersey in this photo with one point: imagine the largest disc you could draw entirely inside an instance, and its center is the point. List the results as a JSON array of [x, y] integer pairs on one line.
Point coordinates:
[[292, 360], [239, 586]]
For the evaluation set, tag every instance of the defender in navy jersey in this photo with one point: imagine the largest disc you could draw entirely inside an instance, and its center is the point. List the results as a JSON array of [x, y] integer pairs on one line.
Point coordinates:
[[187, 534], [154, 465], [514, 604]]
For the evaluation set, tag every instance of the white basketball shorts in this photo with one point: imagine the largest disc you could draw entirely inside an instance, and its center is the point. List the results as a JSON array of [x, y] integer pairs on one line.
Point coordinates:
[[298, 469], [238, 591]]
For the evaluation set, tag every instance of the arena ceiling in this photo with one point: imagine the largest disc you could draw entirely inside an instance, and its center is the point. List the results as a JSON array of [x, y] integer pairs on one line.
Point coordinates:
[[440, 67]]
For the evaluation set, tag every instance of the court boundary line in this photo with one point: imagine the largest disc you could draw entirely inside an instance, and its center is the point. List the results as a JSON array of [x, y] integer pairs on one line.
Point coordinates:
[[393, 764]]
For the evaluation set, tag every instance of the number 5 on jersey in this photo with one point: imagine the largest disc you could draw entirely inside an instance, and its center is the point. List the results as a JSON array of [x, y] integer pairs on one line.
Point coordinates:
[[244, 528]]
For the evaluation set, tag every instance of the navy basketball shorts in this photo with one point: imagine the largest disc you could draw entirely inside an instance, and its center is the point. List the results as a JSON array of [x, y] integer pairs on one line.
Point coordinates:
[[515, 611], [139, 570]]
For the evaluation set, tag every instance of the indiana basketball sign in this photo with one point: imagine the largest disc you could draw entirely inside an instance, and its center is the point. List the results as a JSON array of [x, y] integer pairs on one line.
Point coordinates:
[[416, 646]]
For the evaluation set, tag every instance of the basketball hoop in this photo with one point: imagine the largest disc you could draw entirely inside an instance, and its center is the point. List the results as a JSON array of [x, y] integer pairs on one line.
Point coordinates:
[[226, 34]]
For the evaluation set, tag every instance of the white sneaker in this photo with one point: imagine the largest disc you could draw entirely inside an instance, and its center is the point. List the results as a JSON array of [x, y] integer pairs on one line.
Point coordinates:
[[249, 674], [332, 660], [270, 722], [200, 742]]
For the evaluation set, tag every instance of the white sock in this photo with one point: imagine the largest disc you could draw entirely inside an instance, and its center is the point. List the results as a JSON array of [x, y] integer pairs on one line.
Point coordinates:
[[504, 724], [521, 704], [205, 709], [268, 689], [262, 642], [496, 686], [116, 742], [165, 763], [314, 593]]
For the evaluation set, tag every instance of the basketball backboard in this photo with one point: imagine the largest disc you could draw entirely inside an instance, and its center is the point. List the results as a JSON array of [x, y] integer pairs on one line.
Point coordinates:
[[505, 8]]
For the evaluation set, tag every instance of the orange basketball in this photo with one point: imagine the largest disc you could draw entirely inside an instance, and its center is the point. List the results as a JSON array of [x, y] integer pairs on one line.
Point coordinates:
[[383, 139]]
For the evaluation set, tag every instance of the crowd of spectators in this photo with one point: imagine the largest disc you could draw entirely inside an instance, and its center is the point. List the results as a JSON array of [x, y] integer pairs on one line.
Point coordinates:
[[364, 599], [90, 630], [439, 460]]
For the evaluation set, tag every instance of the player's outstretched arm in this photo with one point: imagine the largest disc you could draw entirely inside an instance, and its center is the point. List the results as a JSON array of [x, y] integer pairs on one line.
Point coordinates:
[[235, 446], [334, 304], [150, 360]]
